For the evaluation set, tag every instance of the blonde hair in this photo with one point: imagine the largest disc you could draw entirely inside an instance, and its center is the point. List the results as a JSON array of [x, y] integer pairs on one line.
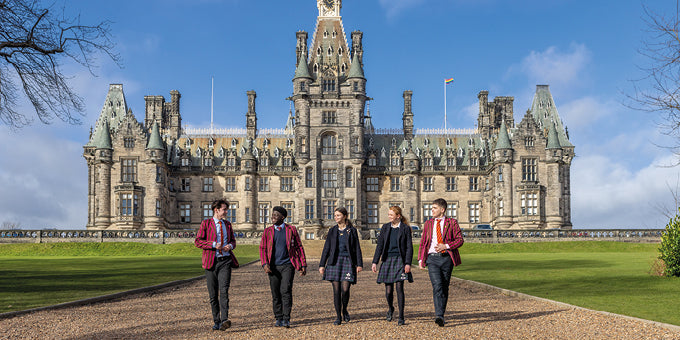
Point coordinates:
[[397, 210]]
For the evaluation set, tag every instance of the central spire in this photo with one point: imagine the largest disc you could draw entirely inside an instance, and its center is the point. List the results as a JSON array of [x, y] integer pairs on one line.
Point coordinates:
[[329, 8], [329, 55]]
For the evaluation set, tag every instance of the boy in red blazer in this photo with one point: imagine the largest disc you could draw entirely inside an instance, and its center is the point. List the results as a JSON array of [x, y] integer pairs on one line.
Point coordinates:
[[439, 252], [281, 254], [216, 238]]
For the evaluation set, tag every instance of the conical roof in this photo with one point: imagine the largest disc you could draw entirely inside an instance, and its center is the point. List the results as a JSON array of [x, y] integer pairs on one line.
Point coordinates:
[[155, 140], [302, 71], [290, 127], [503, 141], [102, 136], [355, 70], [543, 110], [553, 139]]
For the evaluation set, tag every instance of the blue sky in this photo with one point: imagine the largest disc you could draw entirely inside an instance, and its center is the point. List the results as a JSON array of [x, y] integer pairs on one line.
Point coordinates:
[[587, 51]]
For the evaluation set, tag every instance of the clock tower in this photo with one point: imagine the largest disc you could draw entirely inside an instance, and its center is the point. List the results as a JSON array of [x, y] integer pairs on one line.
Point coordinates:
[[329, 8]]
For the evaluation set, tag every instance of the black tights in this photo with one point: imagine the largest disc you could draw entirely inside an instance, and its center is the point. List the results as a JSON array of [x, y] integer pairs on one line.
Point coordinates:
[[389, 295], [340, 297]]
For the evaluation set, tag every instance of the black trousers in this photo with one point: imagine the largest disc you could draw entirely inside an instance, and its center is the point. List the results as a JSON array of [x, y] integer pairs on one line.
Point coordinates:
[[281, 284], [218, 279], [439, 268]]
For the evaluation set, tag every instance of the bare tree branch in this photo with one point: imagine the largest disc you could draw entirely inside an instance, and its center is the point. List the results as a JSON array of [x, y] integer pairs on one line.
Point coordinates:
[[33, 43]]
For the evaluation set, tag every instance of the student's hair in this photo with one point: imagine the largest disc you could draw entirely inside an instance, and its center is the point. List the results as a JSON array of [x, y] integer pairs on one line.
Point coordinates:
[[343, 211], [218, 204], [440, 202], [397, 210]]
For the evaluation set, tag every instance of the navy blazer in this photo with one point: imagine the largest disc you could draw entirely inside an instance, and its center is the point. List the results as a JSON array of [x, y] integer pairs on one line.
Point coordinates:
[[329, 256], [405, 243]]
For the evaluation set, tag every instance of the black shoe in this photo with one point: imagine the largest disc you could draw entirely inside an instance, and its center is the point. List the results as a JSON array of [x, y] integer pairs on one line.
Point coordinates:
[[216, 326], [345, 316], [439, 321], [279, 323], [400, 322], [337, 322], [225, 324], [286, 323], [389, 314]]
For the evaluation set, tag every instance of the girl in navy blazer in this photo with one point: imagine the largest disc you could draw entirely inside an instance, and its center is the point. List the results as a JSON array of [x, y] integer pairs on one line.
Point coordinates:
[[341, 259], [395, 248]]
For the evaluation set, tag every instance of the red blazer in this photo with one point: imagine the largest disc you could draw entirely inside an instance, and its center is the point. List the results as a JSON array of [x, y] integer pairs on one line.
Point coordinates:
[[205, 238], [295, 250], [452, 236]]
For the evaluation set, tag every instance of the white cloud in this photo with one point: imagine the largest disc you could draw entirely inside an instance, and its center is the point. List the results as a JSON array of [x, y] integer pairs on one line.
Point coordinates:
[[555, 67], [395, 7], [586, 110], [605, 193]]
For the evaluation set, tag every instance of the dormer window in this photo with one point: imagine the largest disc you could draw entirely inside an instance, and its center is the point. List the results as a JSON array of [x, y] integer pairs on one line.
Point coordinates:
[[427, 161], [325, 34], [340, 50], [188, 144], [211, 143], [287, 161], [448, 142], [335, 33], [264, 161], [318, 51], [330, 51], [233, 142], [316, 68], [343, 68], [426, 142], [208, 162], [372, 161]]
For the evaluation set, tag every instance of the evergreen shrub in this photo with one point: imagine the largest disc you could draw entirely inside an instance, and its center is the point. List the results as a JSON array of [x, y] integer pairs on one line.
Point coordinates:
[[670, 247]]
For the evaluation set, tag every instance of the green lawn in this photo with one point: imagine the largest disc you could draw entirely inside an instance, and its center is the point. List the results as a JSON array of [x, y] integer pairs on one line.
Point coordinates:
[[35, 275], [608, 276]]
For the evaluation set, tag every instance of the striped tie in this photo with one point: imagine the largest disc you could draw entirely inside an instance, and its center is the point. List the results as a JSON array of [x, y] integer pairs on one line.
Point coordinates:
[[221, 235], [440, 239]]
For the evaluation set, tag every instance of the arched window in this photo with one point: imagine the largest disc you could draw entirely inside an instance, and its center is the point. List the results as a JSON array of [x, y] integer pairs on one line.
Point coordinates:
[[329, 144]]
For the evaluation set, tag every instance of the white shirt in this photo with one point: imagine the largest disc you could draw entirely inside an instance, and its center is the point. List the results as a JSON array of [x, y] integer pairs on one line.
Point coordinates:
[[218, 232], [434, 235]]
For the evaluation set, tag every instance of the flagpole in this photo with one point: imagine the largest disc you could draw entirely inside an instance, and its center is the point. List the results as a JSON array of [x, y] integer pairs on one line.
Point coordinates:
[[445, 105], [212, 90]]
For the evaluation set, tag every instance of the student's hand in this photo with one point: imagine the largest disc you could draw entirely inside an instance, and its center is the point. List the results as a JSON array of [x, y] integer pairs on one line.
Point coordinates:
[[321, 270], [267, 269], [303, 272], [374, 268], [420, 265], [440, 247], [407, 268], [359, 269]]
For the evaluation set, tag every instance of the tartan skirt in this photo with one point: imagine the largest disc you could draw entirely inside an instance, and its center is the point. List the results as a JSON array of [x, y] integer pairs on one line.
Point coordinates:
[[343, 270], [392, 270]]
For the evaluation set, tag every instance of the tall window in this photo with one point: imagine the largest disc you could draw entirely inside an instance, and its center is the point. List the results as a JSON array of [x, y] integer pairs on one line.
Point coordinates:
[[247, 183], [208, 161], [411, 183], [349, 205], [329, 144], [309, 209], [427, 161], [128, 170], [452, 210], [231, 184], [474, 183], [186, 184], [473, 209], [428, 184], [129, 142], [529, 141], [247, 215], [330, 178], [264, 184], [129, 204], [186, 162], [395, 183], [158, 208], [372, 161], [529, 203], [159, 174], [289, 208], [529, 169], [309, 178], [451, 184], [427, 211], [349, 178], [372, 212], [329, 117], [372, 183], [286, 184], [328, 207], [207, 184], [329, 85], [185, 212], [231, 212], [500, 173], [501, 210], [263, 213], [207, 211]]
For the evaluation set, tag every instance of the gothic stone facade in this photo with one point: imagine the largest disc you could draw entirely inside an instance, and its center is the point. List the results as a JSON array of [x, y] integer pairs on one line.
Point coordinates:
[[156, 175]]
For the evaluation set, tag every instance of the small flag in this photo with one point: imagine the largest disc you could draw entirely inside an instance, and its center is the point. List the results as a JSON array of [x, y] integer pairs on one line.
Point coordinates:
[[448, 81]]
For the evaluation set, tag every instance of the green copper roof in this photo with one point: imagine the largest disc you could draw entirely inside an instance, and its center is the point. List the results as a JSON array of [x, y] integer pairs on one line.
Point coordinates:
[[102, 136], [503, 138], [545, 113], [355, 70], [302, 71], [553, 139], [155, 140], [290, 127]]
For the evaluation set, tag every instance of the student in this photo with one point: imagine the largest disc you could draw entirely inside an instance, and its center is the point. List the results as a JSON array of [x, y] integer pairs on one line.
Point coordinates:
[[439, 245], [281, 254], [340, 261], [395, 248], [216, 238]]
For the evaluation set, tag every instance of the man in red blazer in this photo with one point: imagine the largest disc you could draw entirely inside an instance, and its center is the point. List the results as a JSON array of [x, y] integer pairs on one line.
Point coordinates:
[[216, 238], [438, 251], [281, 254]]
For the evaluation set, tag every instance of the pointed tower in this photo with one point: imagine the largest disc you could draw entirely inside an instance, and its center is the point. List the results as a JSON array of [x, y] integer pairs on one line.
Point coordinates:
[[156, 192], [251, 116], [407, 116], [99, 156], [503, 158]]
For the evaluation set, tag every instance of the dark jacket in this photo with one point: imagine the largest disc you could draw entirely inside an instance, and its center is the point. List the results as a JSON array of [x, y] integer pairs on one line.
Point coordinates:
[[405, 243], [329, 256]]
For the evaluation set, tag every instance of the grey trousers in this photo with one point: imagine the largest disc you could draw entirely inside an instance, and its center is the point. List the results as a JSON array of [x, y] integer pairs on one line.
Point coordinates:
[[218, 279], [281, 284], [439, 268]]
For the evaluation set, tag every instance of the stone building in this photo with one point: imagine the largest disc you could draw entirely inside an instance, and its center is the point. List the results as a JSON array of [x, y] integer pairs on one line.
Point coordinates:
[[155, 174]]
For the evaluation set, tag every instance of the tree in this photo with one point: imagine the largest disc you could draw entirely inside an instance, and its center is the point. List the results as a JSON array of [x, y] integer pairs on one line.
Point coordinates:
[[34, 40], [659, 90], [10, 225], [669, 250]]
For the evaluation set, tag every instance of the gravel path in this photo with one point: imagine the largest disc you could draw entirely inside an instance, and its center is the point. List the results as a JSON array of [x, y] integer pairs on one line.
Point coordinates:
[[183, 313]]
